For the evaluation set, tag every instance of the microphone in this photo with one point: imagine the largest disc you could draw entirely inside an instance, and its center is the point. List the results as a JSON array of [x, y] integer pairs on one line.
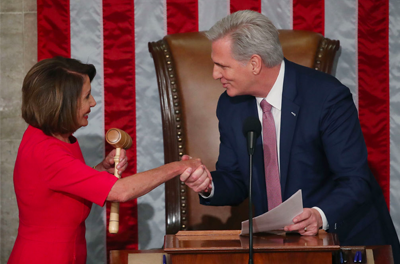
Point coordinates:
[[251, 130]]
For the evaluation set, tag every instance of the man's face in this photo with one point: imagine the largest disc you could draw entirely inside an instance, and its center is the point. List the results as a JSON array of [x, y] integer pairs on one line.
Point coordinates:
[[236, 77]]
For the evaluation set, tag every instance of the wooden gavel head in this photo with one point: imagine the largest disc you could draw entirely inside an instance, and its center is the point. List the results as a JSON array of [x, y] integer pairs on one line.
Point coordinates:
[[118, 138]]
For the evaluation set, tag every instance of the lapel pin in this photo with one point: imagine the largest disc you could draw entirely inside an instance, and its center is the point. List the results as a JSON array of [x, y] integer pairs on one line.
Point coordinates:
[[293, 113]]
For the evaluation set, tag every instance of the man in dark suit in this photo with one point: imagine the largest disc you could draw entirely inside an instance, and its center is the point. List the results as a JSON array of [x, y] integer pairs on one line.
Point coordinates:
[[318, 139]]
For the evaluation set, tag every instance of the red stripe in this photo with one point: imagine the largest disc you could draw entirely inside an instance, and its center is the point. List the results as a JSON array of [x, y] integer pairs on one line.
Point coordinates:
[[119, 102], [373, 87], [53, 27], [237, 5], [309, 15], [182, 16]]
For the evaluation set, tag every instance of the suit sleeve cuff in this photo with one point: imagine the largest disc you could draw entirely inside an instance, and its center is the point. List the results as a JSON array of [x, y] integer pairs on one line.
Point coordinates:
[[325, 224], [211, 193]]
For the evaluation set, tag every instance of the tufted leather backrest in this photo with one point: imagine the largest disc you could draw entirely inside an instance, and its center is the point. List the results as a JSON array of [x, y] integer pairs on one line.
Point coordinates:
[[188, 98]]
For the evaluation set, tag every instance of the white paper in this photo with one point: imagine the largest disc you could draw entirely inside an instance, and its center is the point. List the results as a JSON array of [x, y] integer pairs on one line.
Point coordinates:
[[277, 218]]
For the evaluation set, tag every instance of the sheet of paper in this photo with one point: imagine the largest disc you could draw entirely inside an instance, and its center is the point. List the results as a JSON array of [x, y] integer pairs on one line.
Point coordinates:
[[277, 218]]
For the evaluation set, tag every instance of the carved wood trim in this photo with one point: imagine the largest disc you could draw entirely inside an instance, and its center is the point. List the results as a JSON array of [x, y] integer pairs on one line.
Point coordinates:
[[326, 54], [173, 134]]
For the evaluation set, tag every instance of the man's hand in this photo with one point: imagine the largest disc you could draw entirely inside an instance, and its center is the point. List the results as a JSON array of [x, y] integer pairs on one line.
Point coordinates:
[[198, 180], [307, 223]]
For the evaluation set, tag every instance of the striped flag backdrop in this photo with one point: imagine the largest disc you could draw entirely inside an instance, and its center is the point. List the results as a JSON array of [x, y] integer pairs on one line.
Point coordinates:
[[113, 35]]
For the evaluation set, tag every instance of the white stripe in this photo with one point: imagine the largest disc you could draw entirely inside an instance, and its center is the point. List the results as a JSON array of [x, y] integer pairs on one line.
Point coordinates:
[[210, 11], [394, 56], [341, 24], [279, 12], [149, 26], [87, 46]]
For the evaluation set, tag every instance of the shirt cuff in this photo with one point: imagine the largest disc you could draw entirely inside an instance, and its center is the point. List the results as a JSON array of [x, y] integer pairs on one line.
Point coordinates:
[[325, 224], [211, 193]]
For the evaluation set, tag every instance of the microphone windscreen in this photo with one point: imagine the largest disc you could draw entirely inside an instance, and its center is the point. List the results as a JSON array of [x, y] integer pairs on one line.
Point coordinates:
[[252, 124]]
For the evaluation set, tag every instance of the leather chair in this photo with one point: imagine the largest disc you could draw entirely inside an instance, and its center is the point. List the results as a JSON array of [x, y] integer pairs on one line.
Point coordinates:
[[189, 96]]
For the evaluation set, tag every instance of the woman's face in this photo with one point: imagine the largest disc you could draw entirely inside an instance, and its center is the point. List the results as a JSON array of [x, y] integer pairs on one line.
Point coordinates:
[[86, 102]]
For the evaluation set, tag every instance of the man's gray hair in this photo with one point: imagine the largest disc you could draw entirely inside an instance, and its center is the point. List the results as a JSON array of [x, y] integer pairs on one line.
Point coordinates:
[[251, 33]]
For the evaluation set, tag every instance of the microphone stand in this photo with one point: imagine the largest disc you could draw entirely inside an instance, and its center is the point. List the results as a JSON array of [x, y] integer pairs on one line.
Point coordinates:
[[251, 204], [251, 130]]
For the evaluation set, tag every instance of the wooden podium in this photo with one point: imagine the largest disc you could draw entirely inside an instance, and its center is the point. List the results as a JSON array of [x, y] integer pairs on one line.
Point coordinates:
[[209, 247], [199, 247]]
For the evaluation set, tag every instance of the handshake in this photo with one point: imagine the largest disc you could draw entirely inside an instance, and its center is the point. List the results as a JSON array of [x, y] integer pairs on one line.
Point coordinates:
[[199, 179]]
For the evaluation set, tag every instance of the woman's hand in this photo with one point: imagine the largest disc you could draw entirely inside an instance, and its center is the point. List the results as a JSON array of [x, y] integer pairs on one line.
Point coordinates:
[[198, 179], [108, 163]]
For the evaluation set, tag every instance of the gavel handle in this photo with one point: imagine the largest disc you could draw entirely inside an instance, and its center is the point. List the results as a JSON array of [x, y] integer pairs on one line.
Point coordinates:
[[114, 212]]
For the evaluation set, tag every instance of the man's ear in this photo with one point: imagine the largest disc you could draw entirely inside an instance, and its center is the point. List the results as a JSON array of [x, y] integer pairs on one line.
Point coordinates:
[[256, 64]]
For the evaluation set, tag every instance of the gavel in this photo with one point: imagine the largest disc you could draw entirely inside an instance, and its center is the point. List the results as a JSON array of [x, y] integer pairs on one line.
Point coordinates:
[[119, 139]]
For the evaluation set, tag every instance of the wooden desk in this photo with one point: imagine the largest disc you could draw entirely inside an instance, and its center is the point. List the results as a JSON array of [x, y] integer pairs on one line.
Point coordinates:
[[199, 247], [228, 247]]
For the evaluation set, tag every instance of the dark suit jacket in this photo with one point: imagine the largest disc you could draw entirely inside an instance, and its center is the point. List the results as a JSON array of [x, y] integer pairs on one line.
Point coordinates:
[[322, 152]]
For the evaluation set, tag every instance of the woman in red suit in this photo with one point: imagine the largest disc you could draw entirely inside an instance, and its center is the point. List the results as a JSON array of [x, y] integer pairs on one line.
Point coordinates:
[[54, 187]]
